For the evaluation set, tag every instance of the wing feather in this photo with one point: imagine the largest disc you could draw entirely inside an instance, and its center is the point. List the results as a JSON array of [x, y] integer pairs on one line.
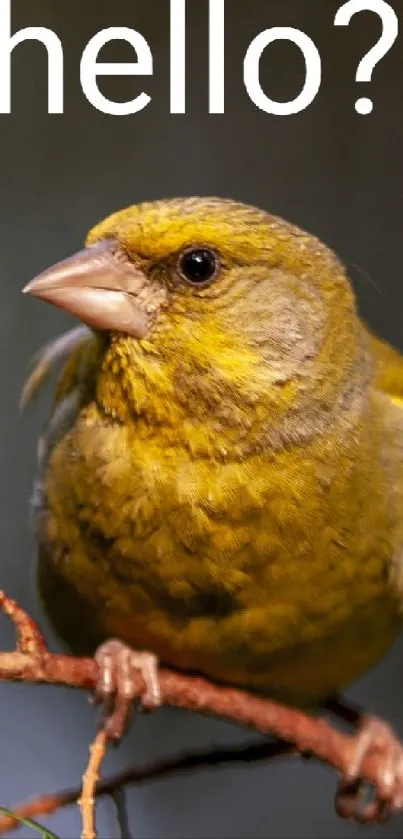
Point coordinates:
[[388, 368]]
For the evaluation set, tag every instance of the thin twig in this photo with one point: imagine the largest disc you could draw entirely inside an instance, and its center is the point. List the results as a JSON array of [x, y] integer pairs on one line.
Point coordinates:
[[45, 805], [90, 779]]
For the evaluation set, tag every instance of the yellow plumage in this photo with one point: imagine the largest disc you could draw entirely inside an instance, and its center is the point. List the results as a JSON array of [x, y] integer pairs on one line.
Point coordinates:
[[227, 490]]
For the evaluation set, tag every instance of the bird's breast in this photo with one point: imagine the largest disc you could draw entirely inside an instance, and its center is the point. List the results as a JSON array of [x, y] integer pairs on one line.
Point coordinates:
[[222, 567]]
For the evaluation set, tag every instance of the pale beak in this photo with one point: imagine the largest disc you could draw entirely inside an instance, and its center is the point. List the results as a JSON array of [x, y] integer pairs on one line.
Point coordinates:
[[100, 286]]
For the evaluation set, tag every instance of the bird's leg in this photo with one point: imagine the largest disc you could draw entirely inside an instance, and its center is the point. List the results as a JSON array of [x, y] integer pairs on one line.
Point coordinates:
[[373, 737], [117, 687]]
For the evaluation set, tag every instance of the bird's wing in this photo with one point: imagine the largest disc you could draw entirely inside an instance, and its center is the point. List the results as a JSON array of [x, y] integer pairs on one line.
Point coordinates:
[[49, 357], [78, 352], [388, 368]]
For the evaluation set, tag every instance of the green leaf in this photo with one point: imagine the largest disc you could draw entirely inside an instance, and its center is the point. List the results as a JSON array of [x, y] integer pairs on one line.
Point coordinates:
[[44, 832]]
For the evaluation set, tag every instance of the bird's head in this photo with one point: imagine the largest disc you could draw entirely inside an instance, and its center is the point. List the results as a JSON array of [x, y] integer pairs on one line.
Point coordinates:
[[216, 312]]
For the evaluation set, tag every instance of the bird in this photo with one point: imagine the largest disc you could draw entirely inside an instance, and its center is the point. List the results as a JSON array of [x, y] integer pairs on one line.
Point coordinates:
[[220, 480]]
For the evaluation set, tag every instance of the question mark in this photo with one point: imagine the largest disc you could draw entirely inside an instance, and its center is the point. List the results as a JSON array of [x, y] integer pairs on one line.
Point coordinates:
[[390, 29]]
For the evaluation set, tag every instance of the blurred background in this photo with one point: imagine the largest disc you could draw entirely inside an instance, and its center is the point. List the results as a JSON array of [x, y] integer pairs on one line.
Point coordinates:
[[328, 169]]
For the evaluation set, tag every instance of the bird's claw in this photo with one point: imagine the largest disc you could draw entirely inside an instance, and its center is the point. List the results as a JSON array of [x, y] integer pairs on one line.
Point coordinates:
[[117, 687], [377, 738]]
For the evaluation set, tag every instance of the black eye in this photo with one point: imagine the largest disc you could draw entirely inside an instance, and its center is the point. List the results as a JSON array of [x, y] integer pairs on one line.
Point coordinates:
[[198, 265]]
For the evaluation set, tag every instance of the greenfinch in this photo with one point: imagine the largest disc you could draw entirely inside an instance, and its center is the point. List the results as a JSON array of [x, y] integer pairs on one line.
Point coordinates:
[[220, 482]]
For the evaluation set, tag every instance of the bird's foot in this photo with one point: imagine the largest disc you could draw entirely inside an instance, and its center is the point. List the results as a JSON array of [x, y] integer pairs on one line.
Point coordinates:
[[376, 738], [117, 687]]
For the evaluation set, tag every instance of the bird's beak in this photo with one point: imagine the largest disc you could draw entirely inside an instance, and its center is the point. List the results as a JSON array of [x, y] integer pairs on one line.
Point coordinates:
[[98, 285]]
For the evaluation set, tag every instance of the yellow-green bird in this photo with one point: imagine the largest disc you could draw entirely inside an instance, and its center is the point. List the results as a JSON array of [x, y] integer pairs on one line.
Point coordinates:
[[221, 479]]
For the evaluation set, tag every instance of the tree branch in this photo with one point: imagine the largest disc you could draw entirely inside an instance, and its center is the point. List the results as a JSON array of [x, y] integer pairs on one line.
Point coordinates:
[[309, 734], [32, 662]]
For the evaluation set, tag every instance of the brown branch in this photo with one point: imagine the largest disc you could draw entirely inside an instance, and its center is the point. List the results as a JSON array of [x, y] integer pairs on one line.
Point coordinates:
[[31, 662], [308, 734], [30, 641], [90, 779]]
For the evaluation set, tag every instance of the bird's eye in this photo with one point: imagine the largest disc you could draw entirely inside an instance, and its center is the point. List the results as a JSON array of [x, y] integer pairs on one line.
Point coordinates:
[[198, 265]]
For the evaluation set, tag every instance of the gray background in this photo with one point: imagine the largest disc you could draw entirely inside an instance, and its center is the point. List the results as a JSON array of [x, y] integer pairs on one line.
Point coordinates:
[[334, 172]]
